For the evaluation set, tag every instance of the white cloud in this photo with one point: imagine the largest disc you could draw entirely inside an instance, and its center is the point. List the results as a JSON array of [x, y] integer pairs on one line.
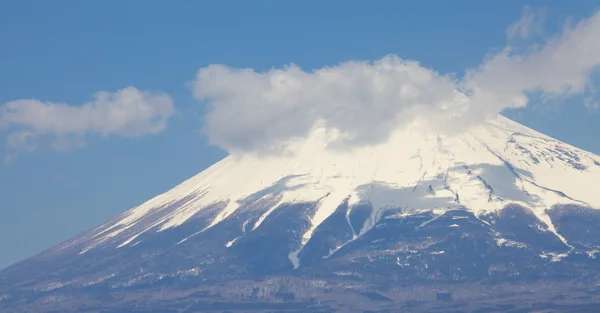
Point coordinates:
[[127, 112], [530, 24], [560, 67], [362, 100], [366, 101]]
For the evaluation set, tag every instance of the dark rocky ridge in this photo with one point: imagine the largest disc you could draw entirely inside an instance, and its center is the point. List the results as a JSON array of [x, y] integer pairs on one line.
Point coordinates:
[[502, 261]]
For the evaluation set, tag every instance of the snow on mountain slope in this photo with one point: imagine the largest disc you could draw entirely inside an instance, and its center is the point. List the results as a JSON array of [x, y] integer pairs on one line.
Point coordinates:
[[484, 169]]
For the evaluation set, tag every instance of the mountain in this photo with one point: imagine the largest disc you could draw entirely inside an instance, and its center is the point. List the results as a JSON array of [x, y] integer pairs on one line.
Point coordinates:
[[498, 218]]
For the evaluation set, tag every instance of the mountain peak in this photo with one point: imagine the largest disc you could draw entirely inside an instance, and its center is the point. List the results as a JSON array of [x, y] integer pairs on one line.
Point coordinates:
[[499, 201], [483, 169]]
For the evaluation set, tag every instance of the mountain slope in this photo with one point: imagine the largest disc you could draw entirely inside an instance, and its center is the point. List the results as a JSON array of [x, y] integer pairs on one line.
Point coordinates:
[[483, 170], [500, 202]]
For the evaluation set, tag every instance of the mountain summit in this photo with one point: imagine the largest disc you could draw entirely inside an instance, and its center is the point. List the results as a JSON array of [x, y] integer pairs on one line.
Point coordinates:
[[499, 216]]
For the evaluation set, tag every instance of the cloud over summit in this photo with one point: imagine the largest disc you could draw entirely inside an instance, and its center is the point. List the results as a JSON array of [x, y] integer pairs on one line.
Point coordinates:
[[362, 100], [365, 101]]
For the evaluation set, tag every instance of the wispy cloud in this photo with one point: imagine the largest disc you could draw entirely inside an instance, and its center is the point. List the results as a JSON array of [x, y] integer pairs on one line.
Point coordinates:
[[129, 112], [366, 101], [591, 104], [530, 24], [559, 68]]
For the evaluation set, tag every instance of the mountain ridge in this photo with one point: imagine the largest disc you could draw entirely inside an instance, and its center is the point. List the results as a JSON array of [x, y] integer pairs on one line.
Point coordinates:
[[477, 214], [332, 181]]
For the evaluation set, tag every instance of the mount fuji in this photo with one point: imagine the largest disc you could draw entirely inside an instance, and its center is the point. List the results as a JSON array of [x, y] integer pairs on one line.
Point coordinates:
[[496, 218]]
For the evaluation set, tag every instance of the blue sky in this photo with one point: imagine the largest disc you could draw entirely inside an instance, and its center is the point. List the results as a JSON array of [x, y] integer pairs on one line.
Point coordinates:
[[65, 52]]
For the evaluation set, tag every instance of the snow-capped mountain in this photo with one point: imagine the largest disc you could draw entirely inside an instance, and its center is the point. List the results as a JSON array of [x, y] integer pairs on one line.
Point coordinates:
[[499, 203]]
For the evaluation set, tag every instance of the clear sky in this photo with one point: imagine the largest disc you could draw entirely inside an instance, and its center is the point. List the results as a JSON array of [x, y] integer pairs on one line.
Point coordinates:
[[68, 51]]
